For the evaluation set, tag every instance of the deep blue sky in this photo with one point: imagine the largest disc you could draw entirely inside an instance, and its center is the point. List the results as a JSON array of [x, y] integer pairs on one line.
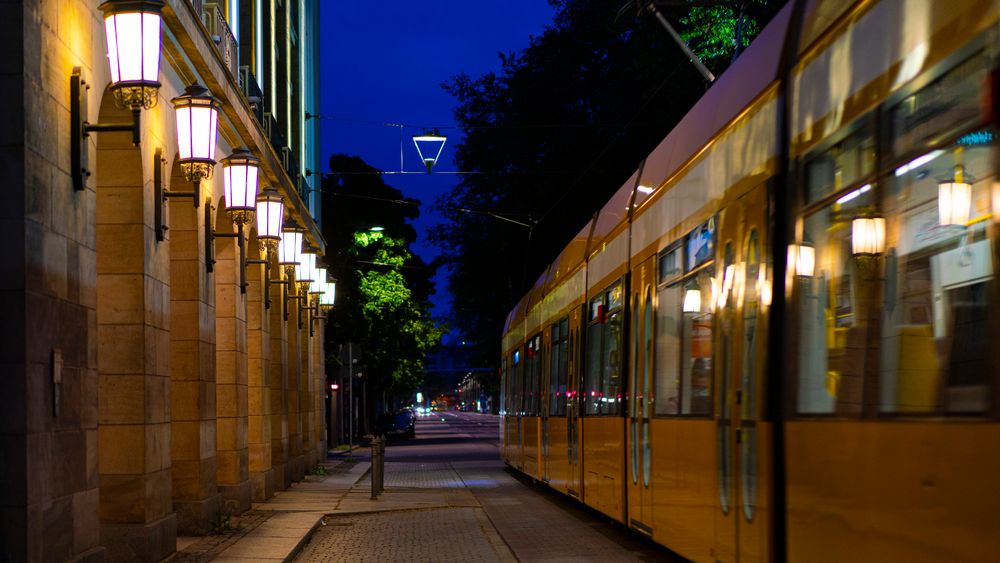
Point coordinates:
[[384, 61]]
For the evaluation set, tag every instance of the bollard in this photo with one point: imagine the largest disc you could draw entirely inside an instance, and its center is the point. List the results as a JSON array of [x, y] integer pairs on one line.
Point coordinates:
[[378, 465]]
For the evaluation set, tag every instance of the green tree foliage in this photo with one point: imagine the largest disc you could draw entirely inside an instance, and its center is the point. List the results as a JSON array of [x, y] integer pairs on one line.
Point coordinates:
[[383, 288], [554, 133], [713, 32]]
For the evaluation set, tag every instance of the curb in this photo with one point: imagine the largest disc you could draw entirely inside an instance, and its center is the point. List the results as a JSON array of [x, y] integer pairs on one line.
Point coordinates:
[[304, 540]]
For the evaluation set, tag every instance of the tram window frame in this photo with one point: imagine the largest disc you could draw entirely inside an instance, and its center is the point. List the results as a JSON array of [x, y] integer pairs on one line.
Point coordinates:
[[603, 314], [533, 376], [559, 367], [906, 389], [689, 271]]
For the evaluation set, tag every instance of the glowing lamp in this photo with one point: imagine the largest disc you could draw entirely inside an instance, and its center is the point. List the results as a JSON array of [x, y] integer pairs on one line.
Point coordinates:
[[954, 203], [329, 294], [429, 141], [197, 115], [868, 236], [270, 219], [802, 259], [305, 272], [692, 301], [132, 30], [319, 282], [240, 171]]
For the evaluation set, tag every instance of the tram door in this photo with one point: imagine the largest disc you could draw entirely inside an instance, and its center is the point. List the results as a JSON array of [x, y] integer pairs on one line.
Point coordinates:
[[573, 425], [640, 494], [741, 518]]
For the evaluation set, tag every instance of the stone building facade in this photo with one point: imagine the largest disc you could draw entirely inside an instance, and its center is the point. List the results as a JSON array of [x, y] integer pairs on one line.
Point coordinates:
[[143, 391]]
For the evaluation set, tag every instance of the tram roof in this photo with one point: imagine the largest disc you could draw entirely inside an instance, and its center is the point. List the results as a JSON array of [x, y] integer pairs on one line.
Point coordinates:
[[751, 74]]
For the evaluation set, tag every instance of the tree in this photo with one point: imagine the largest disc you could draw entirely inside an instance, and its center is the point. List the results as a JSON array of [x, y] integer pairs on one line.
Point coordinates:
[[383, 288], [553, 134]]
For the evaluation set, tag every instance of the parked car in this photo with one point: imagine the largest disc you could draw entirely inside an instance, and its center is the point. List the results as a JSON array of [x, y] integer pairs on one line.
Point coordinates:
[[401, 423]]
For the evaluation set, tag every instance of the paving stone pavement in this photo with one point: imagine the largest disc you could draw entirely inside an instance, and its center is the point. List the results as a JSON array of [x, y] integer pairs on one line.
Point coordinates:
[[459, 535]]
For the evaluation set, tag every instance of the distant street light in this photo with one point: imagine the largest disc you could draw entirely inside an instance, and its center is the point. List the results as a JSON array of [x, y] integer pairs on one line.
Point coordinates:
[[429, 140]]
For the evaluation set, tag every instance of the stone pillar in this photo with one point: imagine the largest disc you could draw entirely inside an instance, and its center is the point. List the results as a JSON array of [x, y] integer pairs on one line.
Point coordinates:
[[192, 368], [307, 392], [278, 363], [322, 390], [133, 316], [295, 461], [233, 465], [258, 376]]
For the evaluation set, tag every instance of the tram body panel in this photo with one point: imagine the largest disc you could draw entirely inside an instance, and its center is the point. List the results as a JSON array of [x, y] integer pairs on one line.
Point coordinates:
[[603, 450], [529, 445], [683, 470], [557, 454], [915, 491]]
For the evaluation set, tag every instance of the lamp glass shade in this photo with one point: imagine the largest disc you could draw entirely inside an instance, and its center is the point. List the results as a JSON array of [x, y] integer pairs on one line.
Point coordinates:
[[197, 114], [868, 235], [240, 180], [270, 215], [317, 286], [290, 247], [692, 301], [133, 36], [803, 259], [305, 270], [329, 293], [954, 203]]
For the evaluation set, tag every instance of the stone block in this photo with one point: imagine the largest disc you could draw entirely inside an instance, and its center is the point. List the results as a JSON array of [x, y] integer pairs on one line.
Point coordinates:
[[157, 451], [93, 475], [145, 542], [122, 450], [121, 349], [121, 250], [159, 494], [68, 457], [209, 439], [262, 485], [120, 205], [13, 387], [227, 467], [236, 498], [184, 360], [86, 520], [185, 280], [121, 399], [157, 399], [185, 396], [225, 367], [208, 400], [118, 168], [57, 529], [197, 517], [122, 499]]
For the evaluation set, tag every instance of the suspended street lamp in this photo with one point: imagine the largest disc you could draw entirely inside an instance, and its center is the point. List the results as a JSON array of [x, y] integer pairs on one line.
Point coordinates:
[[197, 114], [429, 140]]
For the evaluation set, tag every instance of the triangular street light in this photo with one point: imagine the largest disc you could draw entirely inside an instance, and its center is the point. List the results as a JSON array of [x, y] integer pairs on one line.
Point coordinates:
[[429, 140]]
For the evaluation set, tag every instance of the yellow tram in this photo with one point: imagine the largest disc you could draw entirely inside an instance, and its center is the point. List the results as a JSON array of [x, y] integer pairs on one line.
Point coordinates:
[[773, 342]]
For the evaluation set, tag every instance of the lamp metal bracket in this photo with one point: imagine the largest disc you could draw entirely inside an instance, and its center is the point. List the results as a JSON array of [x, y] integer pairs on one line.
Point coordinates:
[[80, 129]]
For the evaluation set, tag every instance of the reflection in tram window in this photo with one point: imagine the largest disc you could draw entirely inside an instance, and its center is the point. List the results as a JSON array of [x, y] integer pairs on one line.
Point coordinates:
[[533, 377], [935, 326], [848, 162], [559, 368], [602, 381], [834, 308], [684, 325]]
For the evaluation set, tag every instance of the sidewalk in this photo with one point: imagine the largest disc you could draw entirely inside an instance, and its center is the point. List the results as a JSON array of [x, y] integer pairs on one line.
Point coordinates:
[[278, 529]]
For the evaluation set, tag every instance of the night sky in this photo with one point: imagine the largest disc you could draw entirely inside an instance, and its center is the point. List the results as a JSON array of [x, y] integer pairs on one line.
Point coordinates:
[[383, 62]]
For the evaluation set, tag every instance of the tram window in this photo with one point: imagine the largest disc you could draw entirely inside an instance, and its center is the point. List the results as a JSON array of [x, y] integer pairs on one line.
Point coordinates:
[[697, 345], [668, 348], [503, 386], [533, 376], [602, 381], [700, 245], [836, 305], [516, 385], [559, 368], [846, 163], [935, 355]]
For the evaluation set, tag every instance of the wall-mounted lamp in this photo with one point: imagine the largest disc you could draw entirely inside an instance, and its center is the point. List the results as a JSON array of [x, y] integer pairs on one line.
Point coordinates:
[[288, 257], [868, 236], [197, 116], [240, 174], [955, 196], [802, 259], [132, 29], [692, 301], [270, 219]]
